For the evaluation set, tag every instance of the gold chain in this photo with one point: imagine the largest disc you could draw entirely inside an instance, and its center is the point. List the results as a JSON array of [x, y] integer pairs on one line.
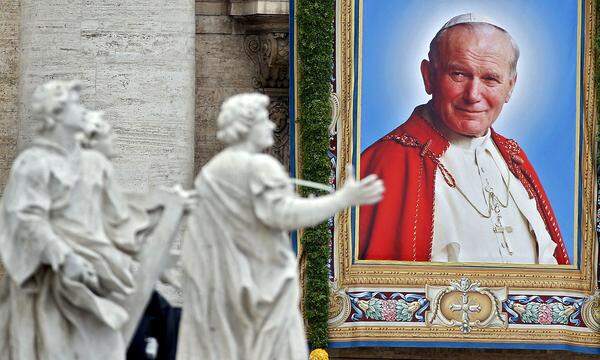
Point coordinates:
[[491, 194]]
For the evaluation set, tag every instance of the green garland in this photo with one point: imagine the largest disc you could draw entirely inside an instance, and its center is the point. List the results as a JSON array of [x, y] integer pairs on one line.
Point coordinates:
[[315, 61]]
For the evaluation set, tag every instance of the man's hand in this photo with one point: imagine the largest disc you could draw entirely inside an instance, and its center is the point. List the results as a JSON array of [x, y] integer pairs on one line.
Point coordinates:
[[79, 269], [366, 191]]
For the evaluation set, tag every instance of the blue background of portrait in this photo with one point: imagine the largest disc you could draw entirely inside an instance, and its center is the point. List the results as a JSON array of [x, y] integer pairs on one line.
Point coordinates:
[[541, 114]]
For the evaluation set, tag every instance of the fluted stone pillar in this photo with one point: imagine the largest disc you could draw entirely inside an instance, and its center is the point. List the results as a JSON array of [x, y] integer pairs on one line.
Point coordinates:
[[136, 62]]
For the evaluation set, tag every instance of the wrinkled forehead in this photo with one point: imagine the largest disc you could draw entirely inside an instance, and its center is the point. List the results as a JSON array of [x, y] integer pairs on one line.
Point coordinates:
[[481, 40]]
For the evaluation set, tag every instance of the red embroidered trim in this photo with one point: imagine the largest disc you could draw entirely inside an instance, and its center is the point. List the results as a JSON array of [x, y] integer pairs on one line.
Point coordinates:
[[408, 140], [414, 242], [533, 190]]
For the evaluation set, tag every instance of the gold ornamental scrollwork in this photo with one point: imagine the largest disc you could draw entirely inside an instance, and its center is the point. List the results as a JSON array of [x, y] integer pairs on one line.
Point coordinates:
[[591, 312], [339, 305], [466, 305], [334, 101]]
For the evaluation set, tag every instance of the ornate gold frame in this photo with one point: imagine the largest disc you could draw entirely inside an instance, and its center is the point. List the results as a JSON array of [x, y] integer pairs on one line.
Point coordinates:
[[350, 275]]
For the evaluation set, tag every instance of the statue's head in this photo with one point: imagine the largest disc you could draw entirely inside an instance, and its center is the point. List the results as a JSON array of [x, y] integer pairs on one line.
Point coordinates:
[[244, 118], [99, 135], [57, 103]]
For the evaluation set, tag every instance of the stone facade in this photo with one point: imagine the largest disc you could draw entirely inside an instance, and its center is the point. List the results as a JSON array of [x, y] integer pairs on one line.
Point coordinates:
[[9, 90], [222, 69], [241, 46], [136, 62]]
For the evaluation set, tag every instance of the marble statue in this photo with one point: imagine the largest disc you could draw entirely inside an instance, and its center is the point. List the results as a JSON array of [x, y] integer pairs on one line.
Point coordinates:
[[79, 254], [240, 277]]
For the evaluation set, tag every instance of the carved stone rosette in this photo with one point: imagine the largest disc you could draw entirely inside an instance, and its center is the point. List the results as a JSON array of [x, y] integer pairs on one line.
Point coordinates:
[[466, 305]]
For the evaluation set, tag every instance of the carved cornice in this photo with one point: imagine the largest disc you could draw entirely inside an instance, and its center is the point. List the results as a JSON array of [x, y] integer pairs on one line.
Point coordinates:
[[270, 54], [261, 16], [259, 7]]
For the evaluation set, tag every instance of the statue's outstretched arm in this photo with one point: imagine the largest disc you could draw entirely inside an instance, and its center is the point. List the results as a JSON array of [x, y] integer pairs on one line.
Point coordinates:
[[287, 211]]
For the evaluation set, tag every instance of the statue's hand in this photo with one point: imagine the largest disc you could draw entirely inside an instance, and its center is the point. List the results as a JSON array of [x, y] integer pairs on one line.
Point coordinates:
[[366, 191], [189, 197], [55, 253], [79, 269]]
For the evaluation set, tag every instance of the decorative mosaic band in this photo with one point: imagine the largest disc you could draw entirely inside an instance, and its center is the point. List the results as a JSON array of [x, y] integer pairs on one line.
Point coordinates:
[[377, 306], [544, 310], [387, 306]]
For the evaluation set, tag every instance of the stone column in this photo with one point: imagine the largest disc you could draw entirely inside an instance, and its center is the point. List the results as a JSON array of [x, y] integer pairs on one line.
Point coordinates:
[[9, 89], [136, 62]]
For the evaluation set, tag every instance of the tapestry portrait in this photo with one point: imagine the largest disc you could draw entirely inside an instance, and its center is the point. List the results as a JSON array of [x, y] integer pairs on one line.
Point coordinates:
[[480, 117], [498, 99]]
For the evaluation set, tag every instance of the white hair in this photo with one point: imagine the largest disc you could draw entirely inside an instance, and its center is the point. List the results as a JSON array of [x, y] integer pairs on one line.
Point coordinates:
[[49, 100], [434, 46], [238, 114]]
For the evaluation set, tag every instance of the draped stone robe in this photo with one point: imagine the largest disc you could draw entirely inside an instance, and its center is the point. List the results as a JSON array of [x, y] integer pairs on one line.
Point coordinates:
[[70, 202], [240, 273]]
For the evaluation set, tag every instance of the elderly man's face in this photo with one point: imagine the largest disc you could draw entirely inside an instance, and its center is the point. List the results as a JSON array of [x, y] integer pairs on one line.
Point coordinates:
[[471, 80]]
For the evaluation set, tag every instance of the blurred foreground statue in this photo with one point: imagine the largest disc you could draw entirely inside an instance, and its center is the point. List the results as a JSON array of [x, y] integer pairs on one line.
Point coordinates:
[[80, 256], [240, 277]]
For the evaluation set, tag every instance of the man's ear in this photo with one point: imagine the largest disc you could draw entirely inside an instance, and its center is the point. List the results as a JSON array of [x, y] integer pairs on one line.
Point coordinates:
[[427, 73], [512, 83]]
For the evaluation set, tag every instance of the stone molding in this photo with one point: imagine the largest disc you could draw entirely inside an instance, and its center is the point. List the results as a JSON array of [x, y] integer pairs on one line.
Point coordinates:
[[259, 7]]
